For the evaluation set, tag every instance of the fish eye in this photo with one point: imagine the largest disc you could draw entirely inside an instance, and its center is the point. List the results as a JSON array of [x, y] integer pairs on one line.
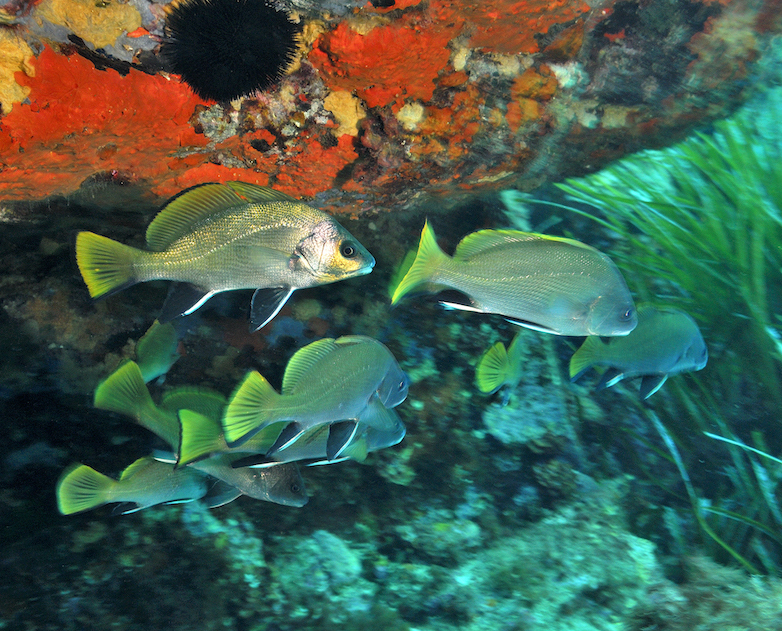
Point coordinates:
[[348, 250], [295, 488], [627, 315]]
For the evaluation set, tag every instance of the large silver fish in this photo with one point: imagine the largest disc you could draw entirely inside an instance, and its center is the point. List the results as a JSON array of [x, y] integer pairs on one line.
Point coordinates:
[[325, 382], [219, 237], [545, 283], [666, 341]]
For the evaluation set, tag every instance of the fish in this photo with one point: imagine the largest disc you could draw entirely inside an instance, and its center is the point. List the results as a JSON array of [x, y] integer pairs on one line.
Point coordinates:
[[200, 436], [313, 446], [666, 341], [327, 381], [550, 284], [125, 392], [221, 237], [499, 367], [144, 483], [157, 350], [279, 485]]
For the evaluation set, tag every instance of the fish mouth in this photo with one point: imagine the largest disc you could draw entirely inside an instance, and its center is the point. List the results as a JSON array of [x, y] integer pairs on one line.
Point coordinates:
[[370, 265]]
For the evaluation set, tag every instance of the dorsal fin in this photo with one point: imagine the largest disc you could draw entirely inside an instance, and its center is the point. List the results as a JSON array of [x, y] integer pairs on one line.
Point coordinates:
[[179, 216], [209, 403], [259, 194], [303, 359], [486, 239], [135, 467]]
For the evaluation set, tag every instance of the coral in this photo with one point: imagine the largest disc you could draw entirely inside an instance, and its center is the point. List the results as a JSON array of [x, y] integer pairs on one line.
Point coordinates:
[[99, 23], [80, 121], [438, 534], [347, 111], [384, 66], [321, 577], [517, 26], [15, 56]]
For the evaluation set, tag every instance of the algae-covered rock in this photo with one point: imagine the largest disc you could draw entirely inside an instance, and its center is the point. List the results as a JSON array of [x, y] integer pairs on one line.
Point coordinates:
[[321, 578]]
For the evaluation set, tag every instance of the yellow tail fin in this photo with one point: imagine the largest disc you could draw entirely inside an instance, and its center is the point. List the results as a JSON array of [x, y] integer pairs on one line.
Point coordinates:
[[248, 410], [582, 359], [81, 488], [105, 265], [427, 258], [492, 369], [124, 392], [199, 437]]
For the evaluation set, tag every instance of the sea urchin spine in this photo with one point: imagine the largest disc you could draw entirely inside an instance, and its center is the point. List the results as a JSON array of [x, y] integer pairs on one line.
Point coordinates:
[[224, 49]]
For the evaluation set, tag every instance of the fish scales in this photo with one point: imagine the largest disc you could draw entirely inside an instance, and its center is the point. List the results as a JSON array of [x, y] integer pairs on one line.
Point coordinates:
[[217, 253], [500, 280], [550, 284]]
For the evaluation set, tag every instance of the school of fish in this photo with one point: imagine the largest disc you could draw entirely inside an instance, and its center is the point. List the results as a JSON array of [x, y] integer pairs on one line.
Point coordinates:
[[338, 396]]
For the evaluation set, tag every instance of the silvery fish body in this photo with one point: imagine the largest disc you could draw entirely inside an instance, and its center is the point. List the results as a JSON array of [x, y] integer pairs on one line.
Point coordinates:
[[144, 483], [220, 237], [281, 485], [545, 283], [313, 444], [324, 382], [666, 341]]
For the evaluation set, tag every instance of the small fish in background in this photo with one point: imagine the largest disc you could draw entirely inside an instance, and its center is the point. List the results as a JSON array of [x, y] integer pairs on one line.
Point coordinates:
[[157, 350], [125, 392], [545, 283], [144, 483], [221, 237], [666, 341], [280, 485], [328, 381], [499, 367]]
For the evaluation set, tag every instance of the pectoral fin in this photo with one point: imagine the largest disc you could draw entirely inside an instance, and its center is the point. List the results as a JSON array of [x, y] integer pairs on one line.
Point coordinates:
[[183, 299], [266, 303], [221, 494]]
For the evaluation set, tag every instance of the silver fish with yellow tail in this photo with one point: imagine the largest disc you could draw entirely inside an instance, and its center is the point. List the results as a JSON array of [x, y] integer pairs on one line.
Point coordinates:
[[220, 237], [666, 341], [327, 381], [125, 392], [545, 283], [144, 483]]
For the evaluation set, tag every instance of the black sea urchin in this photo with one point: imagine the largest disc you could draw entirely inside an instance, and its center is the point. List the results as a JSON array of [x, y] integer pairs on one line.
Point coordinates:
[[224, 49]]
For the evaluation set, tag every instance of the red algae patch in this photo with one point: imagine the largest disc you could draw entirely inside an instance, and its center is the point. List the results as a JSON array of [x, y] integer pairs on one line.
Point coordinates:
[[389, 64], [57, 140]]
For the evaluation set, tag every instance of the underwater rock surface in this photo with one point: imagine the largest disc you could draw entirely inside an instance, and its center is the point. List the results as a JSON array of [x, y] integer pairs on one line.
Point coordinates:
[[384, 104]]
